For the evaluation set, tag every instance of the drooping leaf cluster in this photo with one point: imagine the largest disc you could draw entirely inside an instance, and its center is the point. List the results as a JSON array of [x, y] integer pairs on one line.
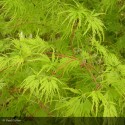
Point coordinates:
[[62, 58]]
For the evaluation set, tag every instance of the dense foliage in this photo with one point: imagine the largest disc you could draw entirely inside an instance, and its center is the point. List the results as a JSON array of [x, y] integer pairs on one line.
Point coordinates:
[[62, 58]]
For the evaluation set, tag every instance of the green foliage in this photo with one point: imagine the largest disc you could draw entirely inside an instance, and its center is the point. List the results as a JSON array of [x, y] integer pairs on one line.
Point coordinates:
[[62, 58]]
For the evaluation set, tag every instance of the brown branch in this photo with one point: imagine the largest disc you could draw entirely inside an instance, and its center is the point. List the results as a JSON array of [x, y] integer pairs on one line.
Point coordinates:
[[83, 64], [93, 77], [98, 86], [61, 55]]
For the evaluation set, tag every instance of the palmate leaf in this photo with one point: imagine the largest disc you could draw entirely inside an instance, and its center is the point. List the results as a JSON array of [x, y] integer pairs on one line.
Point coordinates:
[[111, 60], [100, 49], [40, 57], [97, 98], [119, 86], [109, 107], [94, 24], [4, 45], [16, 6], [110, 110], [38, 45], [108, 4], [4, 62], [111, 77], [43, 87], [75, 107], [31, 46], [74, 13], [18, 12], [16, 60], [67, 65], [22, 48], [112, 95], [49, 64]]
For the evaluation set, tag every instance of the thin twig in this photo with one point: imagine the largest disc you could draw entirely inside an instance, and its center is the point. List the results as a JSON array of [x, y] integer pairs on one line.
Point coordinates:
[[75, 25]]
